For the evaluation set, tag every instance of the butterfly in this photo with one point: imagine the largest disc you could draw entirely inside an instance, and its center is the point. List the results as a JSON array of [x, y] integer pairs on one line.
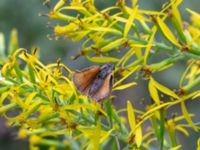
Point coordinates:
[[95, 82]]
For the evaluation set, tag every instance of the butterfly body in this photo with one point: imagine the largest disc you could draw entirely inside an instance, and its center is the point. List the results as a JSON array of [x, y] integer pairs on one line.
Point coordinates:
[[95, 82]]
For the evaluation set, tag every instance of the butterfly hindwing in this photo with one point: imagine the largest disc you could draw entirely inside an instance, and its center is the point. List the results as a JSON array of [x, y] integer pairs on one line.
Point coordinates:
[[83, 79], [104, 91]]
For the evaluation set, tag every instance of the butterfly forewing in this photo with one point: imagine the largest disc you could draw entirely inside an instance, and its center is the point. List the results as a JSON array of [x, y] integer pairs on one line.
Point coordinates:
[[104, 91], [83, 79]]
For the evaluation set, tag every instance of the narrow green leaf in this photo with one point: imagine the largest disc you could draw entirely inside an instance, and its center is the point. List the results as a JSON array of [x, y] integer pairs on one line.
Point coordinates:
[[7, 107], [131, 116], [31, 73], [124, 86], [167, 32], [18, 72], [162, 128], [102, 59], [187, 116], [109, 112], [113, 45], [130, 21], [153, 92], [164, 89], [149, 45], [126, 76]]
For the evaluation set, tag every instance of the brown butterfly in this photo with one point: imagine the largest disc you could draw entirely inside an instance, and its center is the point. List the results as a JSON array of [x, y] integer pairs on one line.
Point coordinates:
[[95, 82]]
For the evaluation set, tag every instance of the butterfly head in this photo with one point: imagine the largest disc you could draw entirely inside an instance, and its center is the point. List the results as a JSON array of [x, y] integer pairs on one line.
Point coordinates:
[[108, 68]]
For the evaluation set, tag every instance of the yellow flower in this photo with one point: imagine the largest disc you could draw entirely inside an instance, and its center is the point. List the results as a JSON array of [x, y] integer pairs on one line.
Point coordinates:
[[34, 139], [22, 134]]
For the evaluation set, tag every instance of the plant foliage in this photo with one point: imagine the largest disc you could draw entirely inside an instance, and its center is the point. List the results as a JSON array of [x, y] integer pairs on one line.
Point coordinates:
[[51, 113]]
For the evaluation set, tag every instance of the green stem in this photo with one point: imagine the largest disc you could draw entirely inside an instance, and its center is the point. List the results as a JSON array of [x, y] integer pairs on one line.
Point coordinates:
[[5, 108], [166, 62], [53, 143], [191, 85], [155, 126], [162, 127], [172, 133]]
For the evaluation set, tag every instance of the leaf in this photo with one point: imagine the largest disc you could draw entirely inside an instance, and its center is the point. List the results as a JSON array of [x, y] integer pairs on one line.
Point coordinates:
[[193, 13], [124, 86], [3, 97], [126, 76], [128, 57], [138, 136], [138, 52], [167, 33], [32, 108], [79, 35], [149, 45], [134, 2], [104, 29], [130, 21], [131, 116], [185, 73], [197, 94], [106, 135], [176, 13], [177, 21], [162, 128], [198, 144], [7, 107], [187, 116], [31, 73], [176, 148], [181, 129], [125, 57], [113, 45], [102, 59], [30, 98], [58, 5], [153, 92], [109, 111], [164, 89], [18, 72], [81, 9]]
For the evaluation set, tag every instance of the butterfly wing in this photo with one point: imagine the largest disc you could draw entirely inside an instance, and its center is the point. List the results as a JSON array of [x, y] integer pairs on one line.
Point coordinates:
[[105, 90], [83, 79]]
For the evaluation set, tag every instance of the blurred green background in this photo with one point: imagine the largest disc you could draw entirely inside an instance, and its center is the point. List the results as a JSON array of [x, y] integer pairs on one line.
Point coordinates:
[[24, 16]]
